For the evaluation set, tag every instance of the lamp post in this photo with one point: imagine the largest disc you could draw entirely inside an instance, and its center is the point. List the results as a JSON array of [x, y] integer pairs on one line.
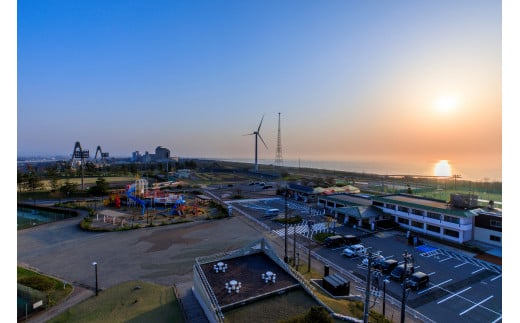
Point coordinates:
[[385, 281], [95, 270]]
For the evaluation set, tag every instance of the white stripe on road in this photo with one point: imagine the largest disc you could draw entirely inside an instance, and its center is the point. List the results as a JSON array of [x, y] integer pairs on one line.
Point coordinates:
[[447, 298], [462, 264], [497, 277], [432, 273], [427, 289], [478, 304], [445, 259], [476, 271]]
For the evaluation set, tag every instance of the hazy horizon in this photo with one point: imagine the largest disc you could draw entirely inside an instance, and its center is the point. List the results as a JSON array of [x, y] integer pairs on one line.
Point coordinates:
[[380, 81]]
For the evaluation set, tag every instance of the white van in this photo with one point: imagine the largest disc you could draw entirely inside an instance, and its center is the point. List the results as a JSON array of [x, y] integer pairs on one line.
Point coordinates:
[[355, 250], [272, 212]]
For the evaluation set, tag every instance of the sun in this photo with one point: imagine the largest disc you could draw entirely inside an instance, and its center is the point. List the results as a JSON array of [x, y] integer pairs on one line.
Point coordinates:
[[442, 168], [446, 103]]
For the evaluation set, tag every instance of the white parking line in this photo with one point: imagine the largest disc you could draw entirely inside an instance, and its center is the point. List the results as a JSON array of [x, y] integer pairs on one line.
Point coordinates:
[[476, 271], [498, 319], [432, 273], [453, 295], [445, 259], [472, 307], [462, 264], [427, 289], [497, 277]]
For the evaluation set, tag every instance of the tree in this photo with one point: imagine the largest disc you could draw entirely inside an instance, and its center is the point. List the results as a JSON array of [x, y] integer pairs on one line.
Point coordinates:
[[101, 187], [33, 181], [68, 188]]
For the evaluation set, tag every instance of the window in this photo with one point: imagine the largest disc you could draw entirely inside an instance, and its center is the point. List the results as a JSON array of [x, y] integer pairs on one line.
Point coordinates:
[[417, 212], [495, 223], [390, 206], [452, 219], [416, 224], [433, 228], [403, 221], [494, 238], [451, 233], [378, 203], [433, 215], [403, 209]]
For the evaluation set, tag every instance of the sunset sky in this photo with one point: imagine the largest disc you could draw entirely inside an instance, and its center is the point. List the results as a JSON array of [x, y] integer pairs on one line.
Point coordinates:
[[401, 81]]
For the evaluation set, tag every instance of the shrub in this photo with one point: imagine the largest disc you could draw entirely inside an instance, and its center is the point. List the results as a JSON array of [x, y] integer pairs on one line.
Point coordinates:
[[40, 283]]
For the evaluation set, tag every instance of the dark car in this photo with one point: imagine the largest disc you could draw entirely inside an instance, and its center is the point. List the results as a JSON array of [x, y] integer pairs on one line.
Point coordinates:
[[351, 239], [418, 280], [397, 273], [334, 241], [385, 265]]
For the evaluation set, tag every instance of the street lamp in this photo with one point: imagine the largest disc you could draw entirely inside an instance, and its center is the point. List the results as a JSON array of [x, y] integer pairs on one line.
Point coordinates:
[[95, 270], [385, 281]]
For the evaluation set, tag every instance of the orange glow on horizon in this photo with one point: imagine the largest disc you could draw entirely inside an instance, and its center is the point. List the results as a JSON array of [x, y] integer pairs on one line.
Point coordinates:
[[442, 168]]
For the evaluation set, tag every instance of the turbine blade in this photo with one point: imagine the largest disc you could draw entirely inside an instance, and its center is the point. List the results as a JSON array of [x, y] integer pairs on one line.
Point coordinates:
[[249, 134], [260, 123], [263, 141]]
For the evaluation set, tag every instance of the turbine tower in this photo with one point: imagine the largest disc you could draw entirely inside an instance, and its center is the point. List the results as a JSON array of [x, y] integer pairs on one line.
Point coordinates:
[[278, 160], [257, 135]]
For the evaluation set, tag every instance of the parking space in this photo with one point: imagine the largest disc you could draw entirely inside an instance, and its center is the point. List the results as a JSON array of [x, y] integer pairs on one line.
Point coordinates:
[[460, 287]]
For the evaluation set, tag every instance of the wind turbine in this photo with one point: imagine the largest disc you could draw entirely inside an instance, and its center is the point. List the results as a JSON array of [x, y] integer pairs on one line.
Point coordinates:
[[257, 135]]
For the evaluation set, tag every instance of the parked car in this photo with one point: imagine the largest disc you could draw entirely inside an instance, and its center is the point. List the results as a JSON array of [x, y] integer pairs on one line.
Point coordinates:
[[271, 212], [397, 273], [351, 239], [355, 250], [385, 265], [334, 241], [374, 259], [418, 280]]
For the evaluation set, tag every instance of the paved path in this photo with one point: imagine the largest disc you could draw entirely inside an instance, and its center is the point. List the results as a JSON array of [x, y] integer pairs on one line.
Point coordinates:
[[78, 295]]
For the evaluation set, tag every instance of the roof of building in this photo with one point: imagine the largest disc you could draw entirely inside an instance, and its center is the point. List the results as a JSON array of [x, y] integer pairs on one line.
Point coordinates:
[[346, 198], [359, 212], [423, 203]]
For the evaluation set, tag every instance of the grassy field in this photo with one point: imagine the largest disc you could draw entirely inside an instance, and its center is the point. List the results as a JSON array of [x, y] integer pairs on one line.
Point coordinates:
[[132, 301], [52, 288]]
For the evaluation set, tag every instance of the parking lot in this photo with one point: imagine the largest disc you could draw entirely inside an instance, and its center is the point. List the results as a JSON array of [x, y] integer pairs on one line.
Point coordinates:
[[461, 287]]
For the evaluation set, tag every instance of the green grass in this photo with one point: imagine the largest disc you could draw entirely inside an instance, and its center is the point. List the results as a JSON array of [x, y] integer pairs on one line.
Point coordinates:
[[126, 303], [52, 287]]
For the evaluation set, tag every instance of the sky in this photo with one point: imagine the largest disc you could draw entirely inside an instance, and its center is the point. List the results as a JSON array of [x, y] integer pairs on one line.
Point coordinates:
[[385, 81]]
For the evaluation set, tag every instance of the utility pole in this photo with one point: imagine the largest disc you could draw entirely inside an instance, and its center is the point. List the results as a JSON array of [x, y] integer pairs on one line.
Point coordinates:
[[310, 224], [404, 279], [278, 161], [367, 291], [294, 244], [285, 258]]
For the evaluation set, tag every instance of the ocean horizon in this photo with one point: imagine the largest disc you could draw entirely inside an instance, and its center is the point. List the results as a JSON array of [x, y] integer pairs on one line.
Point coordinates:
[[467, 172]]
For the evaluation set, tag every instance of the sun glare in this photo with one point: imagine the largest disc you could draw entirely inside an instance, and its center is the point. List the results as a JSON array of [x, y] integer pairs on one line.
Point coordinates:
[[446, 103], [442, 168]]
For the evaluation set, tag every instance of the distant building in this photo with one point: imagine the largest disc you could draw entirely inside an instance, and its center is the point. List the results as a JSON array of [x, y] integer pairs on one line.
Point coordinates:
[[162, 153]]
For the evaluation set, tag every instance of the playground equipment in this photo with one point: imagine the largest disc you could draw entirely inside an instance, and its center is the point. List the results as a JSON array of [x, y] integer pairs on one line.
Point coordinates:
[[137, 189], [178, 207]]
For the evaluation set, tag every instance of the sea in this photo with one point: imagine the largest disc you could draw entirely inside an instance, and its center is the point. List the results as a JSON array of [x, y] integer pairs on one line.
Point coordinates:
[[469, 172]]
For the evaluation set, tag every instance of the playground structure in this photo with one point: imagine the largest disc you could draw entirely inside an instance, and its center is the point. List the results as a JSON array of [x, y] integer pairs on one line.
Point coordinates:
[[139, 194]]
